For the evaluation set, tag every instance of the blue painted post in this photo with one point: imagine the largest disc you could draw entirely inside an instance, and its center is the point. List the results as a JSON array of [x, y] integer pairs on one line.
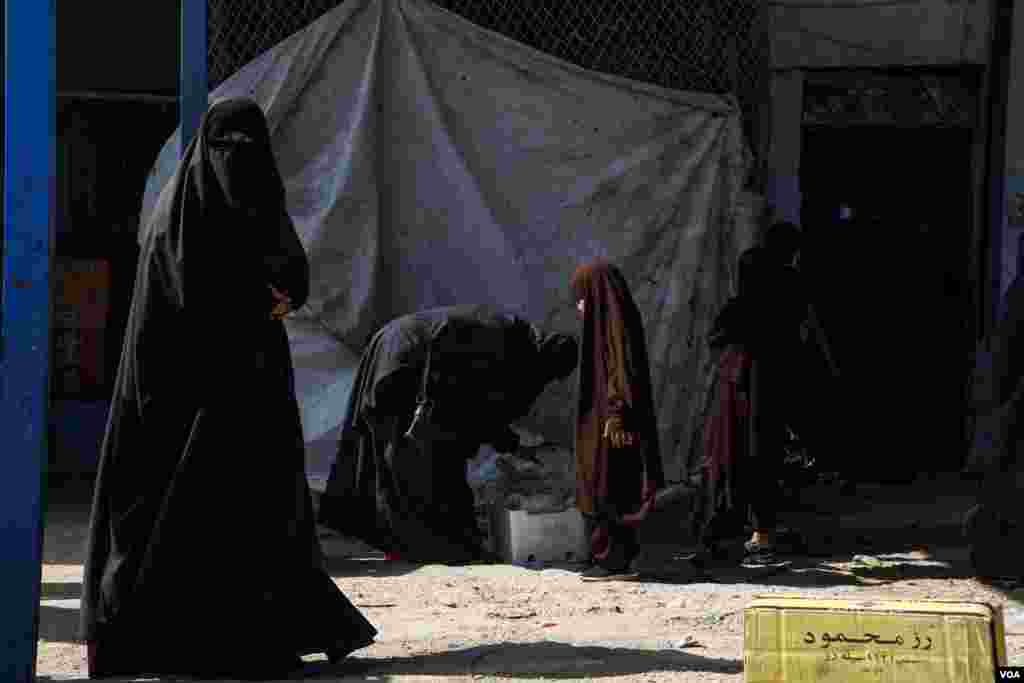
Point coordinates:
[[193, 91], [28, 186]]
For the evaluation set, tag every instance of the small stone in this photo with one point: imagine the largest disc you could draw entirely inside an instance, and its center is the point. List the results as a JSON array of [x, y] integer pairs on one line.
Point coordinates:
[[513, 614]]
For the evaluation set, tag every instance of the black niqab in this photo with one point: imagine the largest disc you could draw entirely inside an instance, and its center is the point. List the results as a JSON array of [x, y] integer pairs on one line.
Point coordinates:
[[203, 557]]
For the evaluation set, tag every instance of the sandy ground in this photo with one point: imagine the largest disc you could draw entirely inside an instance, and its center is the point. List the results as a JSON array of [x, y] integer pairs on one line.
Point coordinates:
[[484, 622]]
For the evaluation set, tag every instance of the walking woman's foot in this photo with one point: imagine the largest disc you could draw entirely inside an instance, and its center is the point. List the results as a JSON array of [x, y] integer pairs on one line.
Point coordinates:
[[757, 547], [763, 561], [761, 556], [97, 666], [93, 670], [488, 557], [338, 654], [599, 573]]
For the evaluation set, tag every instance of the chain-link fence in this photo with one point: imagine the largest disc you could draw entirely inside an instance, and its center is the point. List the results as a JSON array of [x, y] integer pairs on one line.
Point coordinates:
[[716, 46], [241, 30]]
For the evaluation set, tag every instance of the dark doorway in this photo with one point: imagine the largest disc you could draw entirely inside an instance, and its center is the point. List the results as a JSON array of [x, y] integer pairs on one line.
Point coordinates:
[[890, 283], [106, 146]]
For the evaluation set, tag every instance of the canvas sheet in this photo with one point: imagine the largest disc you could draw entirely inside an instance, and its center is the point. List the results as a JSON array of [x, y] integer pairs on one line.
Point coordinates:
[[430, 162]]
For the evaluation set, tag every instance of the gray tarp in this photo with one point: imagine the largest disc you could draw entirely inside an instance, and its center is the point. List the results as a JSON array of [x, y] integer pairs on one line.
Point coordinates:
[[430, 162]]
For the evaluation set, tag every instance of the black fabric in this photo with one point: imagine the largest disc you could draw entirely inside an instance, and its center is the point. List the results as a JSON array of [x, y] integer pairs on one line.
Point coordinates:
[[203, 556], [776, 306], [1008, 367], [768, 421], [730, 326], [618, 543], [716, 468], [412, 498], [764, 320]]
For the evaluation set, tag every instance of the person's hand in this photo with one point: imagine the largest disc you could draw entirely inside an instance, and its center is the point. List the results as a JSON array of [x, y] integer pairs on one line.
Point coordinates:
[[617, 435], [622, 439], [283, 306]]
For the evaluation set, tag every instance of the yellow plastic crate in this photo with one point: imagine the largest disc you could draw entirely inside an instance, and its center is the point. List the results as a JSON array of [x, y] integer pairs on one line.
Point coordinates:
[[794, 639]]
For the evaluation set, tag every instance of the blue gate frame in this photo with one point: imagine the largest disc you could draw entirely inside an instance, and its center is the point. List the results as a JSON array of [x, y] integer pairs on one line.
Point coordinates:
[[29, 187], [29, 199]]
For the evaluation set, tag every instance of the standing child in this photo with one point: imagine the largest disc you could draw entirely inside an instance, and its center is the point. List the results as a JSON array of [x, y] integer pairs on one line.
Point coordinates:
[[618, 464]]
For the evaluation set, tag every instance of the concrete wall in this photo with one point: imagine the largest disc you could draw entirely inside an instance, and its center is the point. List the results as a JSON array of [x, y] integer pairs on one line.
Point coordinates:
[[815, 34], [819, 34], [784, 144], [1014, 230]]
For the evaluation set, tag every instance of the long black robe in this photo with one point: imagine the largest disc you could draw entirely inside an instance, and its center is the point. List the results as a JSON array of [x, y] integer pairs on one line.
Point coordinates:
[[203, 557], [762, 323], [410, 498]]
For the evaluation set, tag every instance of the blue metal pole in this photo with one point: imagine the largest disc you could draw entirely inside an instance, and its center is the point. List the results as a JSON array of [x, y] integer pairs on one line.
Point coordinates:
[[193, 91], [29, 189]]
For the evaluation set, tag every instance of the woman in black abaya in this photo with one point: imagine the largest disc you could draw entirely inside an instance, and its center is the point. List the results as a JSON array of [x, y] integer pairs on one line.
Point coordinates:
[[760, 390], [407, 495], [203, 557]]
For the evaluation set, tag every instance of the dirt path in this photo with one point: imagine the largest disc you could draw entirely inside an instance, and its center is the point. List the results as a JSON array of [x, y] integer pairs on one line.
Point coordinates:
[[478, 623]]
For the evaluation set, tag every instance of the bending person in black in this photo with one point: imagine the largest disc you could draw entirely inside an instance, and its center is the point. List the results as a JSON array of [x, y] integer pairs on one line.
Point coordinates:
[[203, 557], [407, 494]]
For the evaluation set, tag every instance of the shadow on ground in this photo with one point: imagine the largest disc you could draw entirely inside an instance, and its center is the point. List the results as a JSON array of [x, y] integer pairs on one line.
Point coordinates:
[[353, 567], [59, 624], [884, 561], [60, 591], [59, 611], [509, 660], [552, 659]]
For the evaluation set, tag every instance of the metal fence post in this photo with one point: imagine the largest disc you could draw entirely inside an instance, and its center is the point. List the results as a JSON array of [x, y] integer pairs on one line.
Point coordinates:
[[29, 189], [193, 91]]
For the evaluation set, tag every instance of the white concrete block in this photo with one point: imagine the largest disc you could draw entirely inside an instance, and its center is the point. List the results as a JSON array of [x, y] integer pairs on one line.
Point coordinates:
[[520, 536]]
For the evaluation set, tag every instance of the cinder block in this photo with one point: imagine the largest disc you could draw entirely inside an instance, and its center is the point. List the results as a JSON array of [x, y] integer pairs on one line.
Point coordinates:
[[520, 536]]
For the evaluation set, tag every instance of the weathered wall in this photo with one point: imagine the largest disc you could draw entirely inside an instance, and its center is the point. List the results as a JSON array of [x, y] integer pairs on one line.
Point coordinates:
[[1014, 231], [816, 34], [784, 144], [847, 34]]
